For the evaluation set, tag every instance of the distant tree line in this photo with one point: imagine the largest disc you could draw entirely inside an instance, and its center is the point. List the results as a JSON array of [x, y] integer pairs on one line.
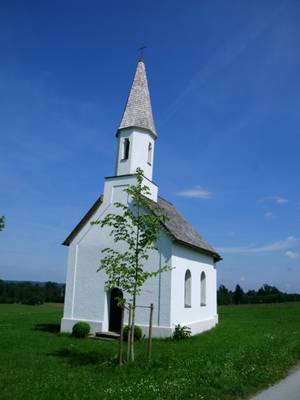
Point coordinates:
[[31, 293], [51, 292], [266, 294], [2, 223]]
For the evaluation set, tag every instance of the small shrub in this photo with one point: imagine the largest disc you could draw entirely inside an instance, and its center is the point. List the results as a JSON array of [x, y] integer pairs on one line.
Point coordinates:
[[81, 330], [181, 332], [137, 333]]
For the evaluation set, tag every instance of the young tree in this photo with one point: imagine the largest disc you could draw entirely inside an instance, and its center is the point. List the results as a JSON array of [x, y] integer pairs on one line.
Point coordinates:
[[2, 222], [224, 295], [238, 295], [138, 225]]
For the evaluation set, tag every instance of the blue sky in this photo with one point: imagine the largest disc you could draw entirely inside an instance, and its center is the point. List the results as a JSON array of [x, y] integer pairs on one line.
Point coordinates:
[[225, 88]]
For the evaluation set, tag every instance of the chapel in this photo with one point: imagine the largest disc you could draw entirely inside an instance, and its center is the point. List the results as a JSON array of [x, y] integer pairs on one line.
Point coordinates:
[[187, 293]]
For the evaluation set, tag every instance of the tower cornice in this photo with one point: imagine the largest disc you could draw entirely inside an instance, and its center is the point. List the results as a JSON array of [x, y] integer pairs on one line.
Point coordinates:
[[138, 128]]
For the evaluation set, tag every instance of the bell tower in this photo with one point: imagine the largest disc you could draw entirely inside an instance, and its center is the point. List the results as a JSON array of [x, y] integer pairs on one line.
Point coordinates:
[[136, 134]]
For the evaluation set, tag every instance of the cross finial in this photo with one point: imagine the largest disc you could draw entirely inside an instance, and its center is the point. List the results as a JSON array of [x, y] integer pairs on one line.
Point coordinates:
[[141, 50]]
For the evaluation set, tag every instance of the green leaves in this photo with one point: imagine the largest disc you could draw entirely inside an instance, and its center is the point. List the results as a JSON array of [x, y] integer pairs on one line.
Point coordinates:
[[138, 227]]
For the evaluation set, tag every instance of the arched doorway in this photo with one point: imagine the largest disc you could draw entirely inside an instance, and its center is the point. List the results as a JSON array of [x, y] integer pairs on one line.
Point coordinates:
[[115, 310]]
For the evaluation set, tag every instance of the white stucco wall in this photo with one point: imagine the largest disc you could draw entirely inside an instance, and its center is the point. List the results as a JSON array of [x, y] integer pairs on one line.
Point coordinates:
[[197, 317], [86, 299], [138, 152], [114, 188]]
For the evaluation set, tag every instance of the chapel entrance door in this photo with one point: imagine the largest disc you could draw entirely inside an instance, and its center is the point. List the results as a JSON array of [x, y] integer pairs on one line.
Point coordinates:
[[115, 311]]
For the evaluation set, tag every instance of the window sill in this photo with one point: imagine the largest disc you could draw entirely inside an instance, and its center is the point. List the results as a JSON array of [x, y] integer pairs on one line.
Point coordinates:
[[187, 306], [203, 305]]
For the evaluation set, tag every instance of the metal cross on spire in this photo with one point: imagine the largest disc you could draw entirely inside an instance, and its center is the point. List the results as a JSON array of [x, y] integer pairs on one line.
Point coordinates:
[[141, 50]]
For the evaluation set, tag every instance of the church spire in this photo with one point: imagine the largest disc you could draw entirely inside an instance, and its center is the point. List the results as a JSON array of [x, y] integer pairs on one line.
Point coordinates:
[[138, 111]]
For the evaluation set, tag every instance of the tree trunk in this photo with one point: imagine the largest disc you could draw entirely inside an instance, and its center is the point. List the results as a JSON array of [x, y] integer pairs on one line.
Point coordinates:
[[121, 338], [132, 331], [135, 285], [129, 333]]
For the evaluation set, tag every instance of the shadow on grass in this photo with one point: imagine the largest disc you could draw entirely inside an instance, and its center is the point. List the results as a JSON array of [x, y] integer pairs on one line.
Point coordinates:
[[52, 328], [76, 357]]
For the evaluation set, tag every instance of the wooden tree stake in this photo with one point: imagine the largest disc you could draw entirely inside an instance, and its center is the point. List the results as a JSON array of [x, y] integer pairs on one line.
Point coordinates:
[[150, 333], [128, 333], [121, 337]]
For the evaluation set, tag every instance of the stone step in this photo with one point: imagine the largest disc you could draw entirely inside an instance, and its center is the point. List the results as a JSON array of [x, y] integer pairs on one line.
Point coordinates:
[[108, 335]]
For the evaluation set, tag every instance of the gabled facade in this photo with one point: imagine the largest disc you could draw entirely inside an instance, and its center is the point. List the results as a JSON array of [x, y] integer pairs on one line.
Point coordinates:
[[186, 294]]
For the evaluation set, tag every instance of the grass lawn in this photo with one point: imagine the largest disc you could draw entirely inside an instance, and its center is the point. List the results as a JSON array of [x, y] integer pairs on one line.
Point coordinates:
[[252, 347]]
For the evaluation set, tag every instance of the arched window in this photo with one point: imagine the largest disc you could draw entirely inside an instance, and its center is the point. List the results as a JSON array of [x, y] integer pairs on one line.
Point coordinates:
[[126, 144], [203, 289], [149, 153], [188, 289]]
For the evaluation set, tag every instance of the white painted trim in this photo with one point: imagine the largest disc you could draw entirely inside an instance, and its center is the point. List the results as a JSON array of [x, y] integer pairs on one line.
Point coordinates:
[[157, 331], [68, 323], [74, 280], [202, 326]]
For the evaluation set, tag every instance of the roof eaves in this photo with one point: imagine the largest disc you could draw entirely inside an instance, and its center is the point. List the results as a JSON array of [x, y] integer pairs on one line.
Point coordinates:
[[83, 221], [215, 256], [140, 128]]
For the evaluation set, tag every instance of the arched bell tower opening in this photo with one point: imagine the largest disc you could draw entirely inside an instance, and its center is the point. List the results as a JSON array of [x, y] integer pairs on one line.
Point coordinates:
[[126, 144], [115, 312]]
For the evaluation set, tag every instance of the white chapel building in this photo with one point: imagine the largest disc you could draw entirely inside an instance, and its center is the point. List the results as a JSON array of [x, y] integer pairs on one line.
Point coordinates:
[[186, 294]]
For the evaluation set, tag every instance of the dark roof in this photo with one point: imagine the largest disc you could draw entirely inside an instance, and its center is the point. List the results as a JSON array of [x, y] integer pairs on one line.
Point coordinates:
[[138, 110], [180, 230], [83, 221]]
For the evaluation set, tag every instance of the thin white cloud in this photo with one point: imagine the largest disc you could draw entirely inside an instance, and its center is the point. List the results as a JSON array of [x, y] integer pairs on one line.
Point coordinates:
[[281, 200], [280, 245], [274, 199], [197, 193], [223, 58], [269, 215], [293, 255]]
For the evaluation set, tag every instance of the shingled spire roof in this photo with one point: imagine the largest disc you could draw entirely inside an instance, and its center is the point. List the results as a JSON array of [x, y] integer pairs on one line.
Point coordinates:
[[138, 111]]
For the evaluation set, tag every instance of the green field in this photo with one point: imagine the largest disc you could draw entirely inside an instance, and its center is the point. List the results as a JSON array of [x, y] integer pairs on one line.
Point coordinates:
[[252, 347]]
